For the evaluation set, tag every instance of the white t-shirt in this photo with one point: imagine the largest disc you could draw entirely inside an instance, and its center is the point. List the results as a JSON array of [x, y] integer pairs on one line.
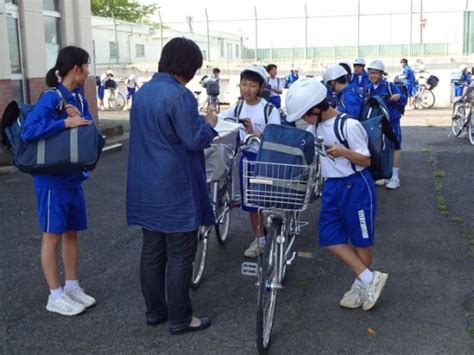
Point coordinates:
[[257, 117], [132, 82], [275, 84], [356, 138]]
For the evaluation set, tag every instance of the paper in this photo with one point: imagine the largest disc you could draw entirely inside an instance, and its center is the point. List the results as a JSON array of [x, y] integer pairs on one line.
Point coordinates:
[[225, 128]]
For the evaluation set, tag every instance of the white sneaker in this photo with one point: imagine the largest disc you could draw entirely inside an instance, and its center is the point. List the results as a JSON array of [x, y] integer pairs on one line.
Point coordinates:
[[381, 182], [354, 298], [65, 305], [374, 289], [393, 184], [253, 249], [78, 295]]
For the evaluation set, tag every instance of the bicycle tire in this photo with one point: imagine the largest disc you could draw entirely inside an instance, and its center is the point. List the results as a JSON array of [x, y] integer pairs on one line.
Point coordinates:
[[458, 118], [119, 101], [223, 214], [470, 128], [267, 294], [200, 259], [427, 98]]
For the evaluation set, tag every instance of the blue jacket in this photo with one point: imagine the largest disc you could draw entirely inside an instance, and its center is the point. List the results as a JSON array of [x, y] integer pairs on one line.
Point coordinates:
[[383, 91], [46, 120], [465, 78], [363, 83], [350, 101], [410, 80], [166, 183]]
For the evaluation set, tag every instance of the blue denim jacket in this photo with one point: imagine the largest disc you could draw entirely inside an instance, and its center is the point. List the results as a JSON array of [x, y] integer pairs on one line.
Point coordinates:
[[166, 184]]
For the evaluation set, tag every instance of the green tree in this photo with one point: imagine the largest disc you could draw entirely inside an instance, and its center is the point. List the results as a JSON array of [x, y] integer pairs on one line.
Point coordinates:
[[127, 10]]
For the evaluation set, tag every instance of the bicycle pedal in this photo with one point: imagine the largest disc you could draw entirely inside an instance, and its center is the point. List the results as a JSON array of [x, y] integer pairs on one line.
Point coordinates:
[[249, 269], [305, 255]]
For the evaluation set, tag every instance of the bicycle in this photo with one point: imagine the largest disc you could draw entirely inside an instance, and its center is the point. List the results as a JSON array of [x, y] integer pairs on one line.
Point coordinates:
[[220, 163], [281, 200], [424, 97], [115, 99], [461, 118]]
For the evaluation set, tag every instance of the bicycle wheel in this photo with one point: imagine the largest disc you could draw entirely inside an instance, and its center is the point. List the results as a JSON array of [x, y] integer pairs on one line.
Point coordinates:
[[199, 263], [427, 99], [119, 101], [223, 214], [458, 118], [267, 288], [470, 128]]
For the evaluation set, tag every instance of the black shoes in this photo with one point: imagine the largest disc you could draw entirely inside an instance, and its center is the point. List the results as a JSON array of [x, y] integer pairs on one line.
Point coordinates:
[[205, 323]]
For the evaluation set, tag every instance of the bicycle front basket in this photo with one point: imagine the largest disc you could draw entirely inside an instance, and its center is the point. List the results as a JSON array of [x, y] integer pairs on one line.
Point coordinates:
[[212, 88], [432, 82]]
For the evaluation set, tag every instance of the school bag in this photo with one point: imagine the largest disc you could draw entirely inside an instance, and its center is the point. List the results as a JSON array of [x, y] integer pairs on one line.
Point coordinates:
[[74, 149], [282, 168], [381, 140], [401, 103]]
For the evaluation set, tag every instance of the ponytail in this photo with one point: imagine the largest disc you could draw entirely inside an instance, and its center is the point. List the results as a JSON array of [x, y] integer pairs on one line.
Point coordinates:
[[68, 58]]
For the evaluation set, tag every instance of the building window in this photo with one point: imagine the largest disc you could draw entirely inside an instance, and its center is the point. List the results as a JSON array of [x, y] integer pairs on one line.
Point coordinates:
[[237, 51], [51, 5], [139, 50], [221, 46], [229, 50], [14, 45], [113, 48]]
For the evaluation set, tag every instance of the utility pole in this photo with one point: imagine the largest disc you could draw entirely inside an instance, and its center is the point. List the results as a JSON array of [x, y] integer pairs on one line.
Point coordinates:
[[161, 30], [305, 31], [421, 29], [411, 27], [358, 28], [256, 33], [208, 37]]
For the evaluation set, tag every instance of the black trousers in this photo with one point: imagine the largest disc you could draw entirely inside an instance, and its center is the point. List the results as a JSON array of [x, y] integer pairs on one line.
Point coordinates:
[[166, 268]]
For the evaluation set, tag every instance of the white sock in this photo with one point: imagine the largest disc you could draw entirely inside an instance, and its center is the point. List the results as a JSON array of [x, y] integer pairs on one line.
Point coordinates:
[[71, 284], [261, 241], [56, 293], [366, 277], [395, 172]]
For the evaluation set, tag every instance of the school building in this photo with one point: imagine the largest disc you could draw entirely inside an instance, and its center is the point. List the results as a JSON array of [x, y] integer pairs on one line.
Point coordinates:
[[31, 33]]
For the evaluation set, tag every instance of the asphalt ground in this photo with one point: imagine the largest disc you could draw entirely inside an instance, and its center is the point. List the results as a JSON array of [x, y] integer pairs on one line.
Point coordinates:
[[425, 245]]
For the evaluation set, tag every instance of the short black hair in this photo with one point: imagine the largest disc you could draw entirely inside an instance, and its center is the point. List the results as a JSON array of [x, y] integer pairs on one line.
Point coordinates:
[[341, 79], [251, 76], [347, 67], [404, 60], [270, 67], [216, 70], [323, 105], [180, 57]]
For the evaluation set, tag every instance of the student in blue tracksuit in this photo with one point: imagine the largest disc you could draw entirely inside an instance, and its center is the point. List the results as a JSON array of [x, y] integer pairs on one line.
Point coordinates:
[[391, 95], [409, 80], [360, 78], [60, 200], [347, 214], [349, 99]]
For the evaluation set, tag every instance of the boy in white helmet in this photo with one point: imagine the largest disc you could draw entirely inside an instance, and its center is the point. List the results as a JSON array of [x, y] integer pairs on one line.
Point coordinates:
[[346, 223], [257, 114], [360, 78], [391, 95]]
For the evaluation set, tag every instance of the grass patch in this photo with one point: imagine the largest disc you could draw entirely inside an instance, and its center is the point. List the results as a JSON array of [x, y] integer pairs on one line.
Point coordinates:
[[438, 173], [471, 331], [456, 219], [425, 150]]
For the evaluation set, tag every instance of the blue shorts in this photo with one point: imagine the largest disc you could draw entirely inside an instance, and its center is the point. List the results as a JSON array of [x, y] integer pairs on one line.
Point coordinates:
[[100, 92], [61, 209], [131, 92], [251, 157], [348, 211], [395, 124]]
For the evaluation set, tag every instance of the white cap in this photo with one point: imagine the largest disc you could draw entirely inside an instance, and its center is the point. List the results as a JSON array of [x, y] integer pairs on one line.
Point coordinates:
[[377, 64], [359, 61], [110, 72], [302, 95], [259, 69], [333, 72]]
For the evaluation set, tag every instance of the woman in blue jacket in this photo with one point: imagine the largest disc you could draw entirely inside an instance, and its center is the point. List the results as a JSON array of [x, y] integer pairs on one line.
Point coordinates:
[[392, 98], [61, 205], [166, 186]]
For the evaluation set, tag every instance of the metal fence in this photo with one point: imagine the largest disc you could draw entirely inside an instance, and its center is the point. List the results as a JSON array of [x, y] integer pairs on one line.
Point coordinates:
[[401, 28]]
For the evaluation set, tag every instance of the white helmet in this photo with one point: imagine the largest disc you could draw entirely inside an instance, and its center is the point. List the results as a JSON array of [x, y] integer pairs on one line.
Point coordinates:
[[302, 95], [259, 69], [359, 61], [462, 67], [110, 72], [377, 64], [333, 72]]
